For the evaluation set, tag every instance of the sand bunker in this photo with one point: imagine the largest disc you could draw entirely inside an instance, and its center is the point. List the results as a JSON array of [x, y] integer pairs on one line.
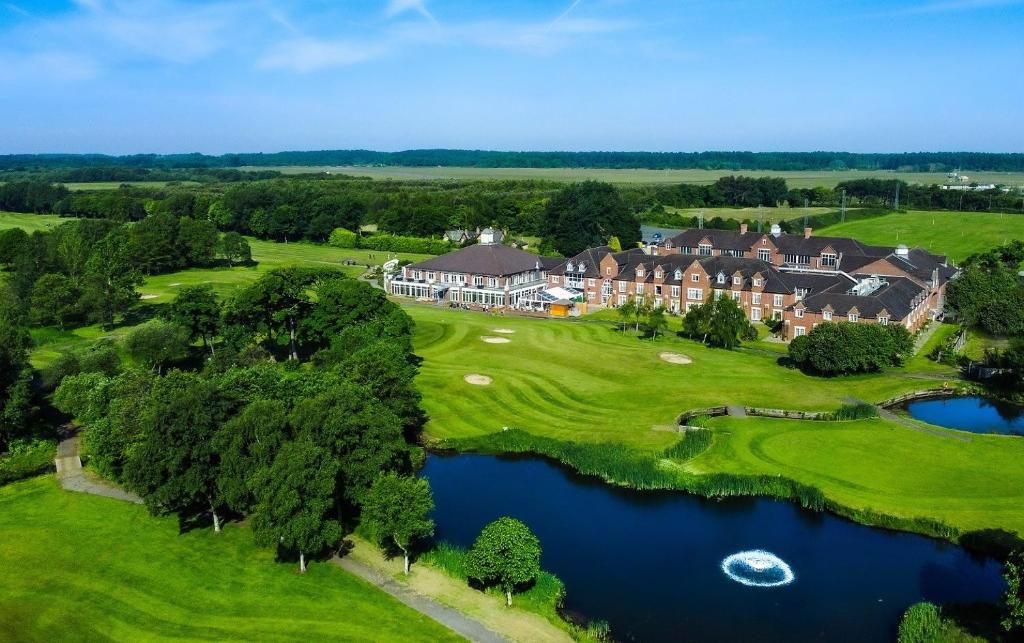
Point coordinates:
[[495, 340], [177, 283], [675, 358], [149, 296], [477, 380], [504, 331]]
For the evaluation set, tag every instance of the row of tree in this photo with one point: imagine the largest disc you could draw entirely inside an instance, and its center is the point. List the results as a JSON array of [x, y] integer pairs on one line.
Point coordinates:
[[88, 270]]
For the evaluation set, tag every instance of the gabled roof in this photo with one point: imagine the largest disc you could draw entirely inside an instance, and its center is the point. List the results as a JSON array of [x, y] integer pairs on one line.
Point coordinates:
[[483, 259], [590, 258], [896, 297]]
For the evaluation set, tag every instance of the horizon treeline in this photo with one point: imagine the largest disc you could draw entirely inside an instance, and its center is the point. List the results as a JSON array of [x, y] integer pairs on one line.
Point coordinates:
[[712, 160]]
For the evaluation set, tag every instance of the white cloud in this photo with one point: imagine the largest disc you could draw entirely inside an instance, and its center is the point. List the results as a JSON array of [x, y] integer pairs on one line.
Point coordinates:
[[308, 54], [398, 7]]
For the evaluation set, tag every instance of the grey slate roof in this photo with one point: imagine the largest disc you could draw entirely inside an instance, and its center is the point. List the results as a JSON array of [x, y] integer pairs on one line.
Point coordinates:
[[896, 296], [483, 259]]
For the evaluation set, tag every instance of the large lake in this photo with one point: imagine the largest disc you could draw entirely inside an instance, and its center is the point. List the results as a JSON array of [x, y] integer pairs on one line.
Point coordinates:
[[650, 563], [974, 414]]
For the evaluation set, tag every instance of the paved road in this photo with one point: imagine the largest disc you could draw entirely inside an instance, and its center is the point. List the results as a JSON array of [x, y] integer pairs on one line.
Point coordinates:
[[454, 620], [72, 478]]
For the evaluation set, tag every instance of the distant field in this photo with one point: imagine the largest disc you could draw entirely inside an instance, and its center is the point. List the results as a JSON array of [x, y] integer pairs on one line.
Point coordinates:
[[29, 222], [770, 214], [804, 179], [955, 234]]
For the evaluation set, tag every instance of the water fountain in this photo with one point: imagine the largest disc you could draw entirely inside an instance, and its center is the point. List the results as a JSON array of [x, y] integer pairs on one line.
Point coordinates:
[[757, 568]]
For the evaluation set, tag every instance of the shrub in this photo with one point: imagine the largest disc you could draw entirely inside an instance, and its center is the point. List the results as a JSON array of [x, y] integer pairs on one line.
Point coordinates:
[[859, 411], [27, 459], [342, 238], [836, 349], [921, 623], [387, 243]]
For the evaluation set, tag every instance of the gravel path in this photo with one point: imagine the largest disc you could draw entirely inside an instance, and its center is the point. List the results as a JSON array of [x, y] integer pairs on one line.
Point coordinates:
[[72, 478], [454, 620]]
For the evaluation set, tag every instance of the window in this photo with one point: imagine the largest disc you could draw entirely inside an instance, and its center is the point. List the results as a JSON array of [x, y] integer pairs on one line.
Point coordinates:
[[675, 292], [883, 321], [431, 276], [679, 275], [639, 289], [657, 290], [755, 314], [798, 259], [757, 283], [478, 281], [554, 279], [826, 315], [828, 259], [800, 293], [798, 313], [694, 293], [777, 300], [492, 282], [658, 274], [622, 299], [608, 271], [737, 281], [590, 296], [764, 254], [853, 317], [570, 267], [704, 249], [695, 277], [622, 286], [755, 298], [736, 295], [799, 331], [590, 282], [721, 278], [639, 271]]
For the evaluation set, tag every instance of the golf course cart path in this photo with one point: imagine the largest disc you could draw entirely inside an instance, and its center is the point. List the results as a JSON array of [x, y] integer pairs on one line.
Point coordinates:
[[72, 478], [456, 621]]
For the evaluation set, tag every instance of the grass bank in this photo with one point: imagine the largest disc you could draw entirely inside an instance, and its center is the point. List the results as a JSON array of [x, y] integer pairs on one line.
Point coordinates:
[[79, 567]]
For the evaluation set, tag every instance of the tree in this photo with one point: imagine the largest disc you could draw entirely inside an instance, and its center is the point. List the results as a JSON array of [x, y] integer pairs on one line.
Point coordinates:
[[506, 553], [110, 278], [342, 238], [197, 309], [588, 214], [627, 311], [197, 241], [235, 248], [15, 379], [728, 322], [174, 466], [643, 308], [397, 508], [247, 443], [56, 300], [656, 320], [614, 243], [294, 499], [11, 242], [1014, 575], [697, 322], [157, 343]]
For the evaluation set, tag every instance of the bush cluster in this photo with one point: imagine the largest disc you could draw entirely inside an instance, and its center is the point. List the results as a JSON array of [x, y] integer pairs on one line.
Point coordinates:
[[837, 349]]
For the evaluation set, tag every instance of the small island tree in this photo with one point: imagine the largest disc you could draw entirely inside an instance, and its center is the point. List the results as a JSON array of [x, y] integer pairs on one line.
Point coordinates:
[[507, 554], [397, 509], [1014, 575]]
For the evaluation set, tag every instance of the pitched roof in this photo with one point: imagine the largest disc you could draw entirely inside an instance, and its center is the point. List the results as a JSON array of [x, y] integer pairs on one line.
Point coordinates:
[[483, 259], [896, 296], [590, 258]]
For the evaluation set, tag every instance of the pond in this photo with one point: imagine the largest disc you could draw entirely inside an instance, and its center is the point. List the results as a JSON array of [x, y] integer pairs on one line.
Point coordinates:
[[975, 414], [657, 566]]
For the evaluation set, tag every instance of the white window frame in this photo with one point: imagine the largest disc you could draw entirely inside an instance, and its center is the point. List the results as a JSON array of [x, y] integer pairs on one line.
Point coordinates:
[[695, 294], [826, 315], [852, 317], [777, 300], [764, 254], [675, 292], [798, 313], [622, 286], [639, 289], [799, 331], [755, 298], [755, 314], [695, 278]]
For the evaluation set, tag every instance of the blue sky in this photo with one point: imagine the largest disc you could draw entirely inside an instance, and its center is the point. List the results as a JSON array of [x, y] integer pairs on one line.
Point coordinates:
[[126, 76]]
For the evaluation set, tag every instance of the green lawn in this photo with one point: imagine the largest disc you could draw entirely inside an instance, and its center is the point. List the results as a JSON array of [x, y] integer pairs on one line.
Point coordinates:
[[798, 179], [585, 381], [770, 214], [78, 567], [29, 222], [955, 234], [879, 465]]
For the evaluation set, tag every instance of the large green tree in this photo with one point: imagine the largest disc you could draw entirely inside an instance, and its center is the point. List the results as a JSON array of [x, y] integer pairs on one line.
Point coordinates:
[[1014, 575], [588, 214], [198, 310], [175, 465], [157, 343], [507, 554], [397, 509], [110, 278], [728, 322], [15, 379], [295, 498]]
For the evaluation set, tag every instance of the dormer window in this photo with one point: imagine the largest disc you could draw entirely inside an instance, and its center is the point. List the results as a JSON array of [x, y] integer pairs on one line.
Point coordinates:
[[658, 274], [583, 267], [883, 321], [721, 278], [757, 282], [679, 275], [736, 281], [639, 271], [826, 315], [704, 249], [570, 267], [853, 317]]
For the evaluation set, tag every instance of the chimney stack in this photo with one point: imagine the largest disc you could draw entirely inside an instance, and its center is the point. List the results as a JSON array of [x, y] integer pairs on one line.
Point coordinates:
[[807, 233], [743, 228]]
